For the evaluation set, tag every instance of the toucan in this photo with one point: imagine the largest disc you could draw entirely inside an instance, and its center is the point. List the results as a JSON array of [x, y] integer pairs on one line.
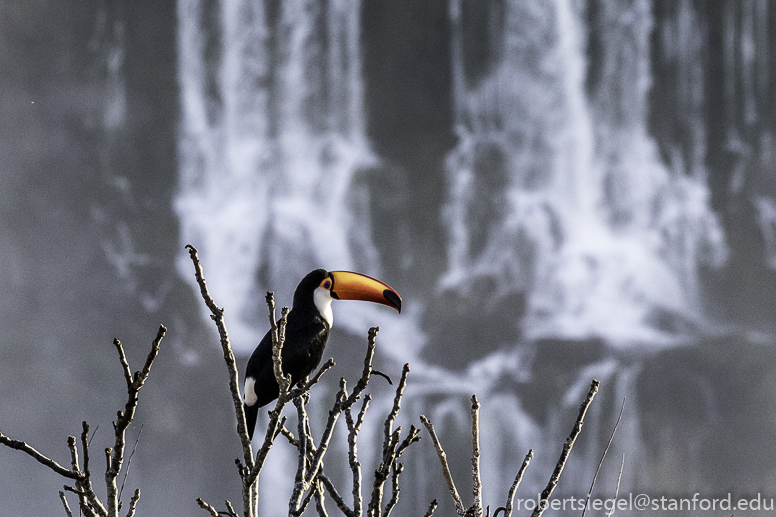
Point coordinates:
[[307, 329]]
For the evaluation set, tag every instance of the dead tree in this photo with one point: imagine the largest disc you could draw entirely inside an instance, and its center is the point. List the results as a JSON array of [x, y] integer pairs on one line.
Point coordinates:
[[311, 482], [476, 509], [80, 472]]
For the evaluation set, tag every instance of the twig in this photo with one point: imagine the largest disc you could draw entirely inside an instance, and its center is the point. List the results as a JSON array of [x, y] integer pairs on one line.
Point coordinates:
[[383, 375], [217, 314], [320, 502], [210, 509], [85, 446], [133, 502], [40, 458], [397, 469], [545, 495], [445, 467], [249, 488], [94, 433], [230, 509], [476, 509], [125, 418], [306, 501], [129, 461], [516, 483], [617, 490], [274, 415], [590, 492], [301, 463], [64, 503], [391, 450], [340, 502], [431, 508]]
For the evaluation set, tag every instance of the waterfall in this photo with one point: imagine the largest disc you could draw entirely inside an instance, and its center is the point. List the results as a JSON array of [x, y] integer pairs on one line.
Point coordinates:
[[558, 192], [271, 142]]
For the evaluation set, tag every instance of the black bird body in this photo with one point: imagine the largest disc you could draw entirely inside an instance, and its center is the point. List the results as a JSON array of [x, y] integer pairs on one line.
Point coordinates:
[[307, 330]]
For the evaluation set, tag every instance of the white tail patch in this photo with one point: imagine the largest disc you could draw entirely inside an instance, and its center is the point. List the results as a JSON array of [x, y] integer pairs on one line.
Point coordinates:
[[250, 394]]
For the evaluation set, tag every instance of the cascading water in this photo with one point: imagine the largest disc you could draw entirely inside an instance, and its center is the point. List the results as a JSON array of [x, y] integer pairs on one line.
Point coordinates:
[[566, 202], [555, 192], [272, 138]]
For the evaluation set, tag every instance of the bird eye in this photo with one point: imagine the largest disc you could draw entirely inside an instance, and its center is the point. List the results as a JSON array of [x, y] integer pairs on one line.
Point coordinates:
[[327, 284]]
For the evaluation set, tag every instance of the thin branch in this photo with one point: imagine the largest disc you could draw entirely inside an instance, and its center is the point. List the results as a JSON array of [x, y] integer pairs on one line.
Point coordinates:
[[289, 436], [307, 386], [397, 469], [208, 508], [230, 509], [320, 502], [617, 490], [391, 418], [516, 483], [327, 434], [85, 508], [234, 377], [476, 478], [299, 479], [383, 375], [133, 502], [64, 503], [590, 492], [249, 489], [85, 484], [340, 502], [125, 418], [545, 496], [129, 462], [431, 508], [40, 458], [94, 433], [390, 450], [367, 371], [306, 501], [85, 446], [445, 467]]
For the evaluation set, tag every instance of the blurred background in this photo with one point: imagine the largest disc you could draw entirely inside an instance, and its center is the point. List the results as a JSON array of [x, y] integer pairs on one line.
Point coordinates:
[[560, 190]]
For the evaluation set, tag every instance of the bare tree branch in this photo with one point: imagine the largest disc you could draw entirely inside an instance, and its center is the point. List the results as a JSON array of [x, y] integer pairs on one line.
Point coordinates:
[[590, 492], [397, 469], [617, 490], [445, 467], [64, 503], [249, 488], [320, 502], [340, 502], [125, 418], [431, 508], [230, 509], [85, 508], [40, 458], [133, 502], [208, 508], [129, 461], [476, 509], [516, 483], [564, 455]]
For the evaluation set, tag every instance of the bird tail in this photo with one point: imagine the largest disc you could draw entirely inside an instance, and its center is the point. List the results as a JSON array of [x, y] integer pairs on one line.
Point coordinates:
[[251, 412]]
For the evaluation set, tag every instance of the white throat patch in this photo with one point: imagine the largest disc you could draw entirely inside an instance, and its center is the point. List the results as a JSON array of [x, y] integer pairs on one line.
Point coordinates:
[[322, 298]]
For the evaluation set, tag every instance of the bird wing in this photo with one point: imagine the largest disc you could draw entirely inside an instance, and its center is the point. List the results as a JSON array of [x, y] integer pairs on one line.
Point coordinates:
[[301, 353]]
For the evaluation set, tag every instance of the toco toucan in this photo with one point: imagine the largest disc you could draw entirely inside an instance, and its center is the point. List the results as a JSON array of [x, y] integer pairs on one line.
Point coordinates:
[[307, 329]]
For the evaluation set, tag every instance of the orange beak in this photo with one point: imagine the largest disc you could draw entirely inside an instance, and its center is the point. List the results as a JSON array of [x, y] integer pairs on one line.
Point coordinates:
[[347, 285]]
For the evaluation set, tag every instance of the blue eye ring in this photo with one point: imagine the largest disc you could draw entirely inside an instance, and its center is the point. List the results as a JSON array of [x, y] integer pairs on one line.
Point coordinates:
[[327, 284]]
